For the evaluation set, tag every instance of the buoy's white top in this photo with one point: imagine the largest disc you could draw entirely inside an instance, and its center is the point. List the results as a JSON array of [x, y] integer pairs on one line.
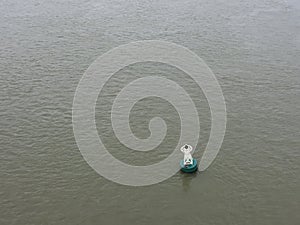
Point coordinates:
[[188, 159]]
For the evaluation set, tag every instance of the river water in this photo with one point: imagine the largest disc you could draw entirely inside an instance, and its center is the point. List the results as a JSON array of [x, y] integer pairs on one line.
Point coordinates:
[[252, 47]]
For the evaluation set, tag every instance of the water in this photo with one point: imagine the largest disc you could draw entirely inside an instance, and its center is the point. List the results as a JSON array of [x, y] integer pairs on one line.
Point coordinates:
[[251, 46]]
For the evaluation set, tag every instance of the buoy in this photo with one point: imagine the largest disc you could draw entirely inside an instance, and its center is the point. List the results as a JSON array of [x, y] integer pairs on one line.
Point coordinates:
[[188, 164]]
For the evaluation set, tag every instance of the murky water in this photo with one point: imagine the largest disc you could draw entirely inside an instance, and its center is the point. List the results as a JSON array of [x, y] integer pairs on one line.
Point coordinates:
[[252, 47]]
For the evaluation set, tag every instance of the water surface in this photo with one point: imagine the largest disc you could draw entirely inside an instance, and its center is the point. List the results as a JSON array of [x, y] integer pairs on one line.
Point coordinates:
[[252, 47]]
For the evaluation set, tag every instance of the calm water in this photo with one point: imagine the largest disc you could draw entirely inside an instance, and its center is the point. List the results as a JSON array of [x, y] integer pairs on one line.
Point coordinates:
[[253, 48]]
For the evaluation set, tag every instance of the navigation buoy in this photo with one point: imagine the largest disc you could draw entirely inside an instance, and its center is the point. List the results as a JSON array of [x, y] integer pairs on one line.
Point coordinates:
[[188, 164]]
